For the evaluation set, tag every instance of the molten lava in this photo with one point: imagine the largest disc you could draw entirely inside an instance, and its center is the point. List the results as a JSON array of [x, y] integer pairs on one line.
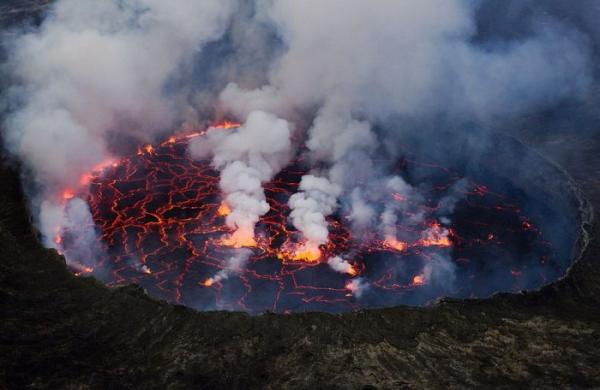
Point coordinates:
[[223, 210], [68, 194], [436, 236], [418, 280], [392, 243], [308, 252], [238, 239]]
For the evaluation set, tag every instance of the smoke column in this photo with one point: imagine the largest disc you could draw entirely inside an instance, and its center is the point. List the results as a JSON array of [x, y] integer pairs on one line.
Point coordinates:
[[246, 161]]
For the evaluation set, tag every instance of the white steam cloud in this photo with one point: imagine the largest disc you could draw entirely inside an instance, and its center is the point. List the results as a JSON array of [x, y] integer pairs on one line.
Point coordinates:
[[357, 287], [76, 223], [340, 265], [317, 198], [234, 265], [99, 67]]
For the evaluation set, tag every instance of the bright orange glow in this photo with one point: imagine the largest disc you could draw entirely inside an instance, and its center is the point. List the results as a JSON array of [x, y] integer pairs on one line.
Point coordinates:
[[436, 241], [227, 125], [354, 286], [84, 270], [436, 236], [86, 178], [208, 282], [68, 194], [239, 239], [418, 280], [352, 271], [393, 243], [308, 252], [146, 149], [224, 209], [58, 239]]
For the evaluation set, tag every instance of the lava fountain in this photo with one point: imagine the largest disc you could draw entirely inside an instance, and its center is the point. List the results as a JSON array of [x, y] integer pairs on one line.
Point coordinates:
[[160, 218]]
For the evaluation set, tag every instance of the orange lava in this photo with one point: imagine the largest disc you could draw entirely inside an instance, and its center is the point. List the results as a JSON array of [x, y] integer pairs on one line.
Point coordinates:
[[418, 280], [224, 210], [307, 252], [393, 243], [239, 239], [436, 236], [208, 282], [82, 269], [146, 149], [68, 194], [227, 125]]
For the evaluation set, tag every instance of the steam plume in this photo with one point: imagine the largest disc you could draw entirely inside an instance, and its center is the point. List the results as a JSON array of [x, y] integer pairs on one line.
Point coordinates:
[[246, 161], [234, 264]]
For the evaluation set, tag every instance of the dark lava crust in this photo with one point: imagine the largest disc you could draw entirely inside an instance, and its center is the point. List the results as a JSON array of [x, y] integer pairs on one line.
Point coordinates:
[[59, 331]]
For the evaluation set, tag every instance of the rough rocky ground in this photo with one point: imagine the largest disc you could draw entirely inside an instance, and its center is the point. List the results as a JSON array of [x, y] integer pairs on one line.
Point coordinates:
[[59, 331]]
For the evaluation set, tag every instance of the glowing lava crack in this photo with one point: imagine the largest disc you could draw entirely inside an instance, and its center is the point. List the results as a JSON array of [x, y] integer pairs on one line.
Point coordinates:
[[160, 218]]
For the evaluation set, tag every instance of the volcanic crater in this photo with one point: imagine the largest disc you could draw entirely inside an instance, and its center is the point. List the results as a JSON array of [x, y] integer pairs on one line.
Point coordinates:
[[160, 219]]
